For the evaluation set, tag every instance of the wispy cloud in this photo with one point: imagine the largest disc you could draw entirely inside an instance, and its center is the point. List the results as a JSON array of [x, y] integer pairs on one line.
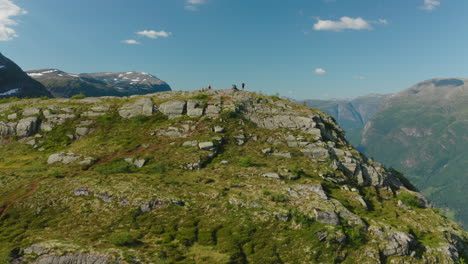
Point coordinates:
[[8, 10], [320, 71], [192, 5], [346, 23], [154, 34], [430, 4], [131, 42]]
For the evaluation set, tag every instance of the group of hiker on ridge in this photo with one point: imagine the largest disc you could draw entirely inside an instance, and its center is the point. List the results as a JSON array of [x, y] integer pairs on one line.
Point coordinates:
[[234, 87]]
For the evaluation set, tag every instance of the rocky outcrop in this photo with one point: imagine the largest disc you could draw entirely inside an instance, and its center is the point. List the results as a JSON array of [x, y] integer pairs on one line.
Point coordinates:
[[23, 128]]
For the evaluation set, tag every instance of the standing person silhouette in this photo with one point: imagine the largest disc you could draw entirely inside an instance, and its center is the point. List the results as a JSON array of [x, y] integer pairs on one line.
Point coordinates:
[[243, 86], [209, 87]]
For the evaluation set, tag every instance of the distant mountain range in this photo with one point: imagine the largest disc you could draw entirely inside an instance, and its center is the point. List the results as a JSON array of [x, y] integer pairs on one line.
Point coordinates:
[[62, 84], [15, 82], [421, 131]]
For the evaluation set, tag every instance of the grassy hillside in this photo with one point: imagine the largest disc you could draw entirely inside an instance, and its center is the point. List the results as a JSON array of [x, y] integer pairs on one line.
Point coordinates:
[[214, 177]]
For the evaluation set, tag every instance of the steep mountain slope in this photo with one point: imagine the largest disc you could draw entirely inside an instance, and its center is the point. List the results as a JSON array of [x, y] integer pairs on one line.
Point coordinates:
[[221, 176], [422, 131], [15, 83], [62, 84], [351, 115]]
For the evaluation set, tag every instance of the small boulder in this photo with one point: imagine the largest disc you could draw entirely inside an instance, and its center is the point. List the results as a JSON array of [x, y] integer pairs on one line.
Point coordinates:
[[218, 129], [283, 154], [12, 116], [208, 145], [267, 151], [82, 131], [272, 175]]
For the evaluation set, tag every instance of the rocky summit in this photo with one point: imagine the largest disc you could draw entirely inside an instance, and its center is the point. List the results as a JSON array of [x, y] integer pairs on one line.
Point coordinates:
[[220, 176]]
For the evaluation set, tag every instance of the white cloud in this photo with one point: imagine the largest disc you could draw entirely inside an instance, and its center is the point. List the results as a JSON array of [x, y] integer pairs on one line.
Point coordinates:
[[359, 77], [320, 71], [344, 23], [131, 42], [430, 4], [154, 34], [382, 21], [8, 10], [192, 5]]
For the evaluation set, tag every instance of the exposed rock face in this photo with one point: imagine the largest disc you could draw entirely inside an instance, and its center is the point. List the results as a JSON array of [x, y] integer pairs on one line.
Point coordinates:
[[143, 106]]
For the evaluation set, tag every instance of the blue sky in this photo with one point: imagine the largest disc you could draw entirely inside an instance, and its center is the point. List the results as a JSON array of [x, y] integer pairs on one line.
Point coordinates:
[[314, 49]]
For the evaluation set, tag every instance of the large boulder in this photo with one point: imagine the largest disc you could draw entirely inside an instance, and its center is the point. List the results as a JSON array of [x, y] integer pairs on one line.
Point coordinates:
[[195, 109], [144, 106], [174, 108], [27, 127]]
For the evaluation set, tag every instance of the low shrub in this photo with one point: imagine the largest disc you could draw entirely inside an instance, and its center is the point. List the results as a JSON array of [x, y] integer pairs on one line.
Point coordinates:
[[246, 162], [123, 239], [78, 96], [410, 200], [114, 167]]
